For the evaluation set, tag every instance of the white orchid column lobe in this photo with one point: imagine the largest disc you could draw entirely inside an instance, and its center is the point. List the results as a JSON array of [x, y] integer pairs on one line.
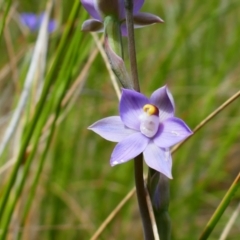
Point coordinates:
[[149, 120]]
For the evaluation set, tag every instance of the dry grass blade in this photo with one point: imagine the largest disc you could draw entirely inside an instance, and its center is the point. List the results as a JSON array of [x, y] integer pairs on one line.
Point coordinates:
[[38, 59], [104, 56], [112, 214], [77, 85], [230, 223], [72, 204], [151, 213], [10, 50], [80, 78], [60, 227], [7, 165], [7, 68], [208, 118]]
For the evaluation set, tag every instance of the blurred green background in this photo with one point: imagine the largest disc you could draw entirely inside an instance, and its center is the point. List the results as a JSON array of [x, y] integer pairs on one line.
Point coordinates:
[[196, 52]]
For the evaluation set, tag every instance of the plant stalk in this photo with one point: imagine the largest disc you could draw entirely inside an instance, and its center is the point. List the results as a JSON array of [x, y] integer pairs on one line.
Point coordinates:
[[138, 161], [221, 208]]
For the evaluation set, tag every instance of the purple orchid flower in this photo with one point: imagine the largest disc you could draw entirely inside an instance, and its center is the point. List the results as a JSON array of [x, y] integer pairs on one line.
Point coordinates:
[[99, 9], [144, 125], [33, 22]]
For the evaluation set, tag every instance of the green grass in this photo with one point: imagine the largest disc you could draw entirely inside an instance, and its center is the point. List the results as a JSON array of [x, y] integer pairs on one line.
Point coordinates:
[[195, 52]]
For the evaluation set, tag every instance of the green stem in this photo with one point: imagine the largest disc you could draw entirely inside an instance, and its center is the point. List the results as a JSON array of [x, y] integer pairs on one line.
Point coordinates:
[[221, 208], [68, 61], [114, 50], [138, 161], [131, 43], [113, 31], [141, 196], [40, 106], [9, 2], [69, 57], [43, 158]]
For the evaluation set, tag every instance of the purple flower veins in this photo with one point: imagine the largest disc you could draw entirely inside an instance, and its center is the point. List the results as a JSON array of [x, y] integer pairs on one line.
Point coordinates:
[[98, 9], [145, 126]]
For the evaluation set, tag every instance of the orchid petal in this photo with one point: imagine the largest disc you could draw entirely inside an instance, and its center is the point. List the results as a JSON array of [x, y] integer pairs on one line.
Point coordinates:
[[33, 22], [90, 6], [121, 9], [30, 20], [131, 105], [112, 129], [141, 20], [171, 131], [52, 26], [158, 159], [92, 25], [137, 5], [129, 148], [124, 31], [163, 99], [144, 19]]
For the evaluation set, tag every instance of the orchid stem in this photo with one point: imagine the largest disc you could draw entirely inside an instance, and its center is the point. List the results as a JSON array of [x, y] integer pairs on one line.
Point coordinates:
[[131, 44], [141, 196], [138, 161]]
